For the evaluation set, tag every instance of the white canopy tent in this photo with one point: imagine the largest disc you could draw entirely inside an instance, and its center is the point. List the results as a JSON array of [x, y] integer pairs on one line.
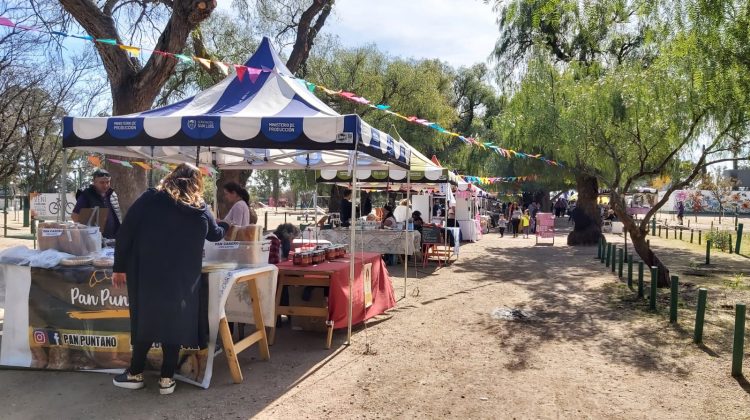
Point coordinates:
[[271, 121]]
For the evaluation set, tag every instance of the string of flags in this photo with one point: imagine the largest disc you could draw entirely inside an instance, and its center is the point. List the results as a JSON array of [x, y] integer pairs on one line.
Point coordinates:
[[98, 162], [494, 180], [253, 73]]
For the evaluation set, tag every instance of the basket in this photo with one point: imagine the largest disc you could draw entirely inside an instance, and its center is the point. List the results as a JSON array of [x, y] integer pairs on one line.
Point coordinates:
[[245, 254]]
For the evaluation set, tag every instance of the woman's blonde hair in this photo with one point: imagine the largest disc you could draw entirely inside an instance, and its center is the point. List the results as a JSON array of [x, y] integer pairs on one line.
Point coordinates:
[[185, 185]]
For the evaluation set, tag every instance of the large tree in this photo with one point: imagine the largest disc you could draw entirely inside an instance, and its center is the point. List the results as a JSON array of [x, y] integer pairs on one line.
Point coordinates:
[[590, 35]]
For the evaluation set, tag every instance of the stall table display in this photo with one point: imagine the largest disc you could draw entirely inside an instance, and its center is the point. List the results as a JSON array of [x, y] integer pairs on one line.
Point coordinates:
[[545, 226], [372, 289], [72, 318], [382, 241]]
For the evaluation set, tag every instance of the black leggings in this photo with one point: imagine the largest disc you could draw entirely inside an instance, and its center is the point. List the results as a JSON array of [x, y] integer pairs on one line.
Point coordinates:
[[170, 352]]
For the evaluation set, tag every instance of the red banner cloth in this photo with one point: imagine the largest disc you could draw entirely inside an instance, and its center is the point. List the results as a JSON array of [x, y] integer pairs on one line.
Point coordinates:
[[338, 298]]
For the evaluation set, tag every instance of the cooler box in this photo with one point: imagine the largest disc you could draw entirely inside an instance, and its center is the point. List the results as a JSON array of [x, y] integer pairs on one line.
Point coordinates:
[[245, 254]]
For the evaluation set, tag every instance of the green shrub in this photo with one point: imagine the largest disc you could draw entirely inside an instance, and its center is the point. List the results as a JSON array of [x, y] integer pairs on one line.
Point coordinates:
[[719, 239]]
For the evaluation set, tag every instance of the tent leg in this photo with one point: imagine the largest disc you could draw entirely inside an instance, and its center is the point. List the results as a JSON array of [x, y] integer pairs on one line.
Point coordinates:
[[406, 232], [352, 226]]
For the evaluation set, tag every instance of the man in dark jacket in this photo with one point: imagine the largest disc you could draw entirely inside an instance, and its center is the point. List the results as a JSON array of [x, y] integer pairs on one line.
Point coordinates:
[[100, 194]]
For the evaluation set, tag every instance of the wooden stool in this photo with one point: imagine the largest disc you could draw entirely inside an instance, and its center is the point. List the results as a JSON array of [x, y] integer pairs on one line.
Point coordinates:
[[231, 349], [303, 278]]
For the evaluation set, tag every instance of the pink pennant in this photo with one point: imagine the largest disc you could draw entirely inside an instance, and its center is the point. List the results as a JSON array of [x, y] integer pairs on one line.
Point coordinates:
[[6, 22], [114, 160], [253, 73], [241, 70], [346, 94]]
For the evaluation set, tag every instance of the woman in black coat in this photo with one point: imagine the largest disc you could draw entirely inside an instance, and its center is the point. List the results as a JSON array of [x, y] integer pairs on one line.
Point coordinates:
[[158, 254]]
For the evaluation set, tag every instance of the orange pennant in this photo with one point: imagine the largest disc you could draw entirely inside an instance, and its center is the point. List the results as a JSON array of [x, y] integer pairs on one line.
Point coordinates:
[[95, 161], [143, 165]]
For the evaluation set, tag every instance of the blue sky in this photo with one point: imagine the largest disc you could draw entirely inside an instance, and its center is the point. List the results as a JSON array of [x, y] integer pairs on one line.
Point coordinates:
[[461, 32]]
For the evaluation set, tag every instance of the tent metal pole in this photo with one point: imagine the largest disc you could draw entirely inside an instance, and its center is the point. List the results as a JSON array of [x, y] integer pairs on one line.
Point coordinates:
[[406, 230], [63, 186], [352, 230]]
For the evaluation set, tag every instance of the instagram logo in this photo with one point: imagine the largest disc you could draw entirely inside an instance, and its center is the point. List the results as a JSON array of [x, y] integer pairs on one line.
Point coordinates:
[[40, 337]]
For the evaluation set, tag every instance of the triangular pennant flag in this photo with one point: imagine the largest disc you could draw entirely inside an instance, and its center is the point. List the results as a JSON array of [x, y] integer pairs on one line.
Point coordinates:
[[135, 51], [86, 37], [6, 22], [126, 164], [58, 33], [310, 86], [241, 71], [184, 58], [107, 41], [382, 106], [266, 69], [205, 62], [143, 165], [203, 170], [114, 160], [253, 74], [222, 67], [94, 160]]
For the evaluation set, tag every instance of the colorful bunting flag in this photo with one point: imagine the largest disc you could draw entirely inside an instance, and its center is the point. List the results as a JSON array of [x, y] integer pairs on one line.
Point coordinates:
[[134, 51]]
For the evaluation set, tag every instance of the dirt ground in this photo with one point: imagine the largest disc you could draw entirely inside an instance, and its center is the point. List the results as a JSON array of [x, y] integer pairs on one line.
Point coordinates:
[[582, 348]]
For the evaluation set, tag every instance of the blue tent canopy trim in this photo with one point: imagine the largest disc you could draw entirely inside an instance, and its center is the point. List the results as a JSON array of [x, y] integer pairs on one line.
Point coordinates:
[[275, 111]]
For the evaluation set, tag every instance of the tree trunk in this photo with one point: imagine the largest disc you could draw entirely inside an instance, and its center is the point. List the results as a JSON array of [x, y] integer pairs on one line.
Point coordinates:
[[638, 233], [588, 192], [240, 177]]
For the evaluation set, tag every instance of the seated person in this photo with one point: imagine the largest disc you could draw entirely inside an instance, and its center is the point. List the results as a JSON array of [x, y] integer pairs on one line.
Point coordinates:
[[389, 220], [418, 222], [610, 215]]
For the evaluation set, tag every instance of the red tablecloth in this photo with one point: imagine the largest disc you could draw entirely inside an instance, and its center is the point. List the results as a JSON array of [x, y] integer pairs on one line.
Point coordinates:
[[338, 297]]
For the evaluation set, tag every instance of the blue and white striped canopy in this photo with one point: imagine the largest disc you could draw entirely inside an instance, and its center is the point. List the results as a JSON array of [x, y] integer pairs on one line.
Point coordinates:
[[274, 112]]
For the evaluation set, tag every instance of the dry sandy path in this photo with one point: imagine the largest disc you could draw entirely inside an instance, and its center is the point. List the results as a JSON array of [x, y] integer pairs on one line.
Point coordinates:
[[441, 354]]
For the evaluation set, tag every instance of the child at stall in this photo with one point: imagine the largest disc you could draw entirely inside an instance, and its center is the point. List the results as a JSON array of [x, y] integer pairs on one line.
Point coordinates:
[[525, 223], [501, 224]]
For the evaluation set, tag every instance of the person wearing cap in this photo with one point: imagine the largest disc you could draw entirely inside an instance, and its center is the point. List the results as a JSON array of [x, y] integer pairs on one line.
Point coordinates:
[[100, 194]]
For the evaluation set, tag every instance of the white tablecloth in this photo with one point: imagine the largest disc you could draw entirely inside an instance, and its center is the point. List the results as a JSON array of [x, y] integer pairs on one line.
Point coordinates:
[[380, 241], [469, 230]]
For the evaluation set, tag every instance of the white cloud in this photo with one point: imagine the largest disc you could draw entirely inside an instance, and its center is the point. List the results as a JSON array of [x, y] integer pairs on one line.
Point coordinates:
[[461, 32]]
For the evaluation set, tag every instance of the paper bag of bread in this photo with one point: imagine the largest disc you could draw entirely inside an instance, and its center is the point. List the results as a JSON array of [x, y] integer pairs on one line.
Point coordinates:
[[249, 233]]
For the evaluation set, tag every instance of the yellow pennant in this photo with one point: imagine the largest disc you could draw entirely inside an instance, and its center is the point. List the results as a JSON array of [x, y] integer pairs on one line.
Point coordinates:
[[206, 63], [134, 51]]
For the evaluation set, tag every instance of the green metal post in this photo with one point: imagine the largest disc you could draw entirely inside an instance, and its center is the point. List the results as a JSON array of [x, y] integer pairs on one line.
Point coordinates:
[[700, 234], [609, 253], [708, 252], [614, 256], [730, 244], [738, 349], [700, 315], [654, 281], [604, 246], [640, 279], [739, 238], [674, 295], [620, 256], [630, 271]]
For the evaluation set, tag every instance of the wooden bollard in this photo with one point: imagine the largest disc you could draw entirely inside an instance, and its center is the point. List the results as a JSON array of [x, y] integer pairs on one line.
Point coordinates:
[[708, 252], [691, 236], [660, 231], [609, 254], [673, 296], [604, 246], [620, 256], [654, 281], [640, 279], [653, 227], [700, 315], [630, 271], [738, 349], [700, 233], [265, 222], [614, 256], [680, 234]]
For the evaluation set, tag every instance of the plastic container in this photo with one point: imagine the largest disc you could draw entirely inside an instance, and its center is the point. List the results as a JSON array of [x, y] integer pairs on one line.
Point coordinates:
[[245, 254], [72, 238]]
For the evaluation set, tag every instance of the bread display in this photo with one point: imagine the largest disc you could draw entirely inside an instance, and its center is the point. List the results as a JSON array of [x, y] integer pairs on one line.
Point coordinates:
[[249, 233], [72, 238]]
